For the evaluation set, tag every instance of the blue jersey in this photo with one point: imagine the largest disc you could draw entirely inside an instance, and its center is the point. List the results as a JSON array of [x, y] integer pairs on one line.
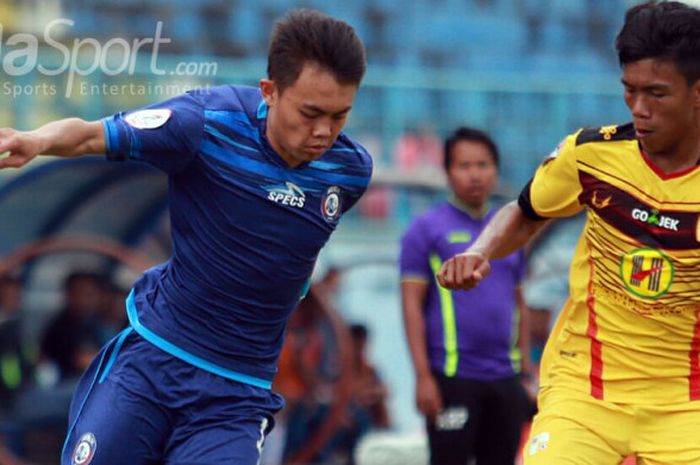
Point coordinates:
[[246, 227]]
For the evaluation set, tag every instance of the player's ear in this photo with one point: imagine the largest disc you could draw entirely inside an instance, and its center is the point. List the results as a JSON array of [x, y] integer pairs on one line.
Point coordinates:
[[696, 93], [268, 88]]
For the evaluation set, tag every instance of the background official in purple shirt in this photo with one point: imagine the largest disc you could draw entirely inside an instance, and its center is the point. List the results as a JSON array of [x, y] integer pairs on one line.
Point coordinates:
[[468, 349]]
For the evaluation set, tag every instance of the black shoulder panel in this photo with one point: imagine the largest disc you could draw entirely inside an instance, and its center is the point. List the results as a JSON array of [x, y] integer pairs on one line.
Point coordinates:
[[606, 134]]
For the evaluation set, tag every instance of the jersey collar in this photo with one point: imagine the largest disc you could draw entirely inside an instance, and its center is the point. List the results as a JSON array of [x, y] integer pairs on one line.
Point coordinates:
[[468, 209], [661, 174]]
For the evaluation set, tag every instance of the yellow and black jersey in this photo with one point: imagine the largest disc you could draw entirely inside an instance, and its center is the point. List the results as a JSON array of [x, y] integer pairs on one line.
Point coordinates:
[[630, 331]]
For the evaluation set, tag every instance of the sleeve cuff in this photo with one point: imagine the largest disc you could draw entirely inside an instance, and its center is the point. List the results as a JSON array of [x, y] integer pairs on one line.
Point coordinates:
[[113, 150], [525, 204], [415, 278]]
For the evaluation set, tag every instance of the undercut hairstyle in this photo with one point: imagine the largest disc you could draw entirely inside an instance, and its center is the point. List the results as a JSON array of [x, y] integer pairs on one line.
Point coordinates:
[[471, 135], [667, 31], [308, 36]]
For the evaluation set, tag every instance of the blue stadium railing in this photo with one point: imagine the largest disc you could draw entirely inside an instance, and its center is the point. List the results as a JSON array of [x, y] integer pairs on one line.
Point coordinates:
[[528, 113]]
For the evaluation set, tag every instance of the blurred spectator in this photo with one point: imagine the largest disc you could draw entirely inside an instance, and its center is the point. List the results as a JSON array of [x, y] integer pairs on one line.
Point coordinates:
[[8, 458], [73, 337], [111, 317], [329, 284], [15, 369], [308, 401], [377, 203], [305, 378], [418, 150], [299, 381], [327, 289], [69, 344], [297, 375], [369, 393], [14, 365], [367, 410]]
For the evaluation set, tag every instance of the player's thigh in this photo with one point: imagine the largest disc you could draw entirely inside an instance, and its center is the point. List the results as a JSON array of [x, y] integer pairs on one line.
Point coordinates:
[[575, 429], [452, 435], [116, 427], [669, 435], [500, 431], [450, 446], [226, 440], [115, 418], [557, 440], [224, 422]]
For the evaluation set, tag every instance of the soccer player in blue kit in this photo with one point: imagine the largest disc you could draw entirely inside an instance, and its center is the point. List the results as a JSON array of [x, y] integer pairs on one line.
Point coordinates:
[[258, 179]]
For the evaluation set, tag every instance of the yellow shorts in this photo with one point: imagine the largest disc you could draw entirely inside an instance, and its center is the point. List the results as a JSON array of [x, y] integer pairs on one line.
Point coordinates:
[[573, 428]]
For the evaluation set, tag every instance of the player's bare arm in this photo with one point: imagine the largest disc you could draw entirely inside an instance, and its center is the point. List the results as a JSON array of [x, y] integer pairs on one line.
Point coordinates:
[[428, 398], [70, 137], [507, 232]]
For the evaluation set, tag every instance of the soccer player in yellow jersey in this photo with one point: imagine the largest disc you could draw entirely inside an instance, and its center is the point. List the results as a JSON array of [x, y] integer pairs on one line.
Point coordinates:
[[621, 370]]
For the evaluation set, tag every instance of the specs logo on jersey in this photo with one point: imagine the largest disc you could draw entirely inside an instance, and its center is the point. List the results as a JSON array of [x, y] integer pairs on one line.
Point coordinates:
[[653, 218], [85, 450], [286, 194], [608, 132], [330, 205], [647, 272]]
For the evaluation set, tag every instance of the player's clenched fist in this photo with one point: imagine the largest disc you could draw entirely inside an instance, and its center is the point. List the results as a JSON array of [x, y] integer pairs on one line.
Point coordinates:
[[463, 271], [18, 148]]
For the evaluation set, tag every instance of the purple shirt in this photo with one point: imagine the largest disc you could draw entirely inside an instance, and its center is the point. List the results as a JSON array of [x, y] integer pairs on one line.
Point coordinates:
[[470, 334]]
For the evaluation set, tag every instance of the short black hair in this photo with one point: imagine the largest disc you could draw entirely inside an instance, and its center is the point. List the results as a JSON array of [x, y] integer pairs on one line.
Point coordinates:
[[76, 276], [305, 36], [359, 331], [471, 135], [664, 31]]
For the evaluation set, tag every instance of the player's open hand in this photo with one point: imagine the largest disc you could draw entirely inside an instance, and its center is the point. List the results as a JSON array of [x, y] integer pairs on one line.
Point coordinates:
[[17, 148], [464, 271]]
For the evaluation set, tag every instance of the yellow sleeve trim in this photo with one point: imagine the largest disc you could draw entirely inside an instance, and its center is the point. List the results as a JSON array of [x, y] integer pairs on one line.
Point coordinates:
[[415, 279]]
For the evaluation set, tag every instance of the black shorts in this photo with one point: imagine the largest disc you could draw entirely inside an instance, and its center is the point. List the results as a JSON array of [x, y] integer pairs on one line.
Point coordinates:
[[481, 422]]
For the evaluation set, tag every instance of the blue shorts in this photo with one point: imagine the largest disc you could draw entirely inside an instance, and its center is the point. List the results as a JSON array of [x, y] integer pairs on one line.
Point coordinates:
[[137, 404]]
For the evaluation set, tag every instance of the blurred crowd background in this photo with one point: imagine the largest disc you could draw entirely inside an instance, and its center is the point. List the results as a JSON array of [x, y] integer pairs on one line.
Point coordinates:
[[74, 234]]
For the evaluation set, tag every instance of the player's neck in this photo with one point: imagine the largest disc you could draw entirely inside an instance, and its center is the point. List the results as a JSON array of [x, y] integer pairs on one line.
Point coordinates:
[[475, 211], [286, 157], [683, 156]]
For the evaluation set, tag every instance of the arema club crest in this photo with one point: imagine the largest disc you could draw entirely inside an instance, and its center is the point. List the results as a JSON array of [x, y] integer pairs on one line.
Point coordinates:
[[330, 204], [85, 450]]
